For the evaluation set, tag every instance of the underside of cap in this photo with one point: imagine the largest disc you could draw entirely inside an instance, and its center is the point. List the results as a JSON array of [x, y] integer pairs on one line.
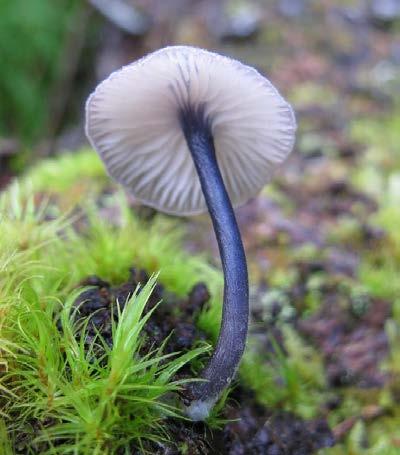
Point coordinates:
[[133, 121]]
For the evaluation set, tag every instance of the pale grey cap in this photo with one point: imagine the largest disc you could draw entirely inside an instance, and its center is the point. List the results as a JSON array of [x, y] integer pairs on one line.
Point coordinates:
[[133, 121]]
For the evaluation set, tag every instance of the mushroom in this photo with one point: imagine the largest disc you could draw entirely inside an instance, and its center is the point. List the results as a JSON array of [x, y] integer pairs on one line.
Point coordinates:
[[186, 130]]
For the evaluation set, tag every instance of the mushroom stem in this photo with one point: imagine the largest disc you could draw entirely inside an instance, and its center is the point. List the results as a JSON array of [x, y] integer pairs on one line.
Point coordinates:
[[235, 312]]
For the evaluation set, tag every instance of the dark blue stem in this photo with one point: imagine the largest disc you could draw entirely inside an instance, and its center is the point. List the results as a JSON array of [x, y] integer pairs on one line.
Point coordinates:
[[232, 337]]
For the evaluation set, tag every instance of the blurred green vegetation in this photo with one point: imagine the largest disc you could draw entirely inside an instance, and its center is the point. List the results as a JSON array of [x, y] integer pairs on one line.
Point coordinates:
[[32, 37], [379, 175]]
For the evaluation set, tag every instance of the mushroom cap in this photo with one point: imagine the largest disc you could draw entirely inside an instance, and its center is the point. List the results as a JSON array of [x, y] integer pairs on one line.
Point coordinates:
[[133, 121]]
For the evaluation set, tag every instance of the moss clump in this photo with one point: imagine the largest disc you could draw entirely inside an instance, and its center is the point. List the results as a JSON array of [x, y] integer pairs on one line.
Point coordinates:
[[47, 375]]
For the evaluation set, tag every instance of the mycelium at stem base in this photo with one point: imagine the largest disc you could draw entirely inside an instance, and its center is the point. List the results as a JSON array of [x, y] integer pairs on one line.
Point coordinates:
[[232, 337]]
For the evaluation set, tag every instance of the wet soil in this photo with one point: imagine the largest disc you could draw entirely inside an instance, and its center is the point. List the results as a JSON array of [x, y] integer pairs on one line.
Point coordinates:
[[251, 428]]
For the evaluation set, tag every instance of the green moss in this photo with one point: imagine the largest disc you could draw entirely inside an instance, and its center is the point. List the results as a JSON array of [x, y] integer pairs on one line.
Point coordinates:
[[106, 247], [367, 436], [381, 159], [310, 93], [283, 277], [5, 444], [45, 374], [380, 267], [95, 404], [346, 232], [73, 177], [293, 381], [277, 196], [381, 136], [377, 174]]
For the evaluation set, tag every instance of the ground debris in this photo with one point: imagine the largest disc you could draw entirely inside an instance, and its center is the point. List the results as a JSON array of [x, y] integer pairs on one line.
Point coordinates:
[[353, 347]]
